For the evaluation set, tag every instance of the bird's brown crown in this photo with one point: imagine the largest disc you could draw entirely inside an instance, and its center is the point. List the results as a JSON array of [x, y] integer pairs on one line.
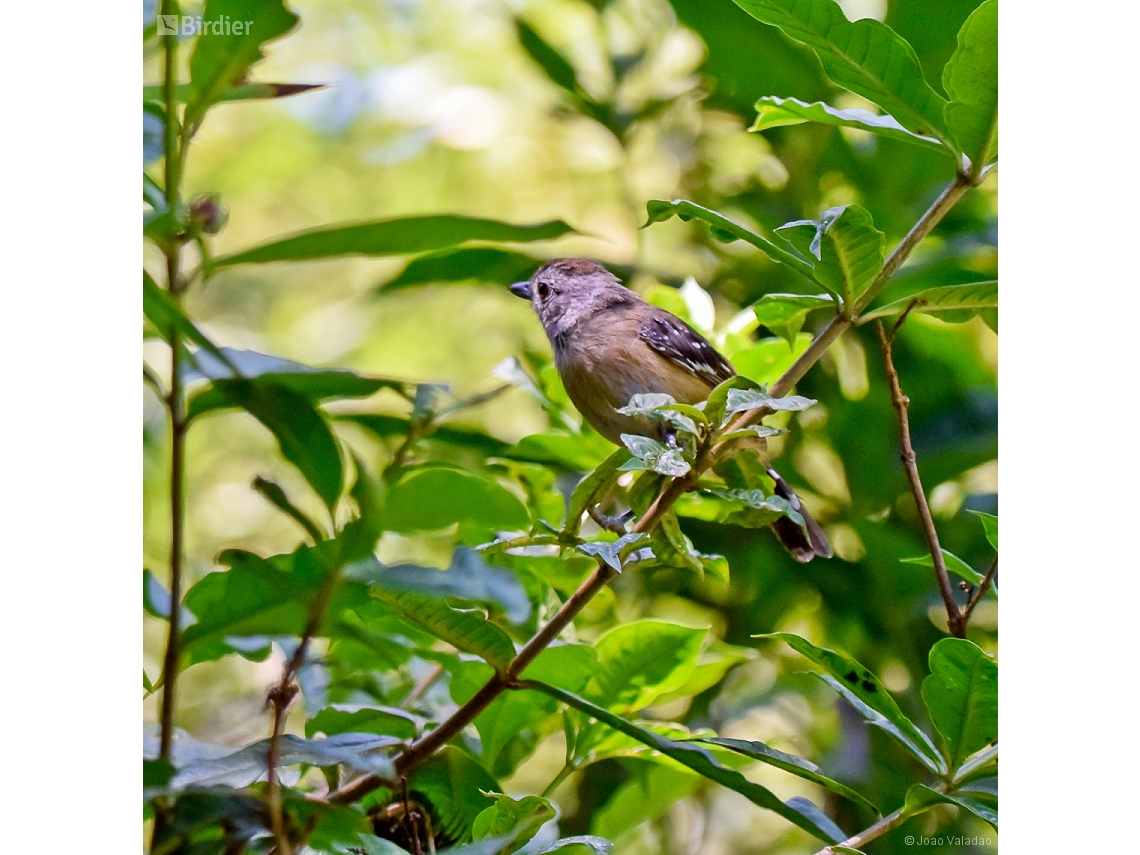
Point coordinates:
[[571, 267]]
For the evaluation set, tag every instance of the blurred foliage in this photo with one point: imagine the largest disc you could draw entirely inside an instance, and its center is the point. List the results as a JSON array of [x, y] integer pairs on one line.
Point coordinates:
[[415, 453]]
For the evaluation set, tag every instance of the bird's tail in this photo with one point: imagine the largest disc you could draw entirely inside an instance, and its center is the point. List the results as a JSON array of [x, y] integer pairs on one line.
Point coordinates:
[[803, 542]]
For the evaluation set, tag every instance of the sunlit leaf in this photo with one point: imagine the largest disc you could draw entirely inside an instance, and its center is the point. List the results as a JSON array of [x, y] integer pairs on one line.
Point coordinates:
[[846, 246], [649, 454], [971, 80], [775, 112], [434, 497], [952, 303], [785, 314], [517, 819], [961, 694], [222, 55], [865, 56], [863, 691]]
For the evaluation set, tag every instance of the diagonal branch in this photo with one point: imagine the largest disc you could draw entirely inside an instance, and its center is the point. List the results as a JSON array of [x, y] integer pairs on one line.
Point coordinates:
[[900, 401], [419, 751], [980, 592]]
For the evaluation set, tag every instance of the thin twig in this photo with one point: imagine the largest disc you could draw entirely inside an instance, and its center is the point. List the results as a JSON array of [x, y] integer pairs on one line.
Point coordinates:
[[980, 592], [279, 698], [910, 463], [888, 822], [422, 686], [419, 751]]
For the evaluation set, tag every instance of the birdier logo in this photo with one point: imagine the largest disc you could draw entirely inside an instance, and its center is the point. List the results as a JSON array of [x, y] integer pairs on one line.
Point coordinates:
[[193, 25]]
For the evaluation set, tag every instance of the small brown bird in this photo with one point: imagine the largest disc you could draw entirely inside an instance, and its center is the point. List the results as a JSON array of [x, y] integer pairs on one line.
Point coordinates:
[[610, 345]]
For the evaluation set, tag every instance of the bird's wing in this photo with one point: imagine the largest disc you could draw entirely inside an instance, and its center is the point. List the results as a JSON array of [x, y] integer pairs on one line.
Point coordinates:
[[680, 343]]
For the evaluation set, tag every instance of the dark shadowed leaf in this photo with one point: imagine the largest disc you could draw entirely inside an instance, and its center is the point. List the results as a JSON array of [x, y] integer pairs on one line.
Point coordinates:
[[305, 438], [241, 92], [660, 210], [469, 577], [798, 766], [467, 264], [402, 236], [863, 690], [971, 81], [316, 384], [164, 313], [775, 112], [222, 59], [961, 694], [242, 768], [453, 784], [866, 56], [981, 803], [799, 811]]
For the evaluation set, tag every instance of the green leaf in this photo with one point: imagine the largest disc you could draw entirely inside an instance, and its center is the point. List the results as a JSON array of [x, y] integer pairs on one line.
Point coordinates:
[[863, 691], [610, 551], [799, 811], [167, 317], [599, 845], [359, 718], [658, 405], [386, 426], [798, 766], [221, 60], [962, 696], [433, 497], [983, 804], [990, 522], [767, 360], [402, 236], [952, 303], [243, 92], [976, 765], [557, 68], [466, 264], [847, 247], [468, 631], [971, 80], [649, 454], [316, 384], [592, 489], [660, 210], [517, 819], [775, 112], [642, 660], [453, 784], [242, 768], [305, 438], [955, 565], [370, 844], [741, 400], [865, 56], [469, 577], [672, 548], [785, 314]]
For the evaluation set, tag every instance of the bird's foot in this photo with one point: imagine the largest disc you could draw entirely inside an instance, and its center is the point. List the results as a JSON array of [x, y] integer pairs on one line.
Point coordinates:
[[614, 524]]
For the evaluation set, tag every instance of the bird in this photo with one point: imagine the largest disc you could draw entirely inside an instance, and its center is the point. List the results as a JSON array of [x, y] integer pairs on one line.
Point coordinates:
[[609, 345]]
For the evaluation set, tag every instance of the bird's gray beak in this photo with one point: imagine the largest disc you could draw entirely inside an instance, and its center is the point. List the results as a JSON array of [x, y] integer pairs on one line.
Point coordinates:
[[521, 289]]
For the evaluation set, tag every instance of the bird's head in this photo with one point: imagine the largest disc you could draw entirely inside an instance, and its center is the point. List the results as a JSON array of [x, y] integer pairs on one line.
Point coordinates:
[[566, 289]]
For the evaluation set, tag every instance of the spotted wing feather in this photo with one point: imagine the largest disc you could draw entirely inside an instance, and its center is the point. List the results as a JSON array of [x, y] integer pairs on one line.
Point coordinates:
[[680, 343]]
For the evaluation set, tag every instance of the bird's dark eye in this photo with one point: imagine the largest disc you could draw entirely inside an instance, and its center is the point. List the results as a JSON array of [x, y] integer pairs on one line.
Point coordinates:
[[543, 290]]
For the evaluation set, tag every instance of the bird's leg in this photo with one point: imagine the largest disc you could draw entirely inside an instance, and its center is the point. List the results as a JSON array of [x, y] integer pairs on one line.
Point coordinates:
[[614, 524]]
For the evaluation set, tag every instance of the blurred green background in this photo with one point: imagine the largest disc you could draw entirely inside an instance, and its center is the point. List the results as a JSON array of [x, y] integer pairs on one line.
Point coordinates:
[[433, 106]]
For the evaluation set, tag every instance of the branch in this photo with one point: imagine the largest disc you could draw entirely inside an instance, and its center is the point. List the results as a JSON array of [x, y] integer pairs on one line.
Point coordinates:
[[419, 751], [910, 463], [983, 586], [888, 822]]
